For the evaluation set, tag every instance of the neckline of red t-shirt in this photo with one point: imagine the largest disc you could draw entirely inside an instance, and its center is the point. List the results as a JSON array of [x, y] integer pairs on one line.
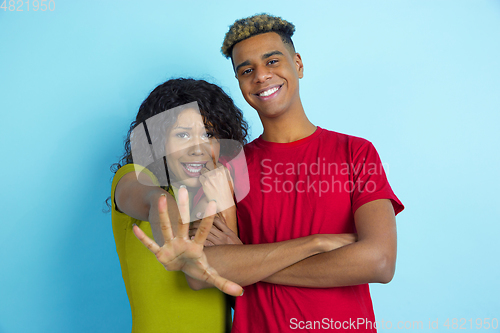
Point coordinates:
[[263, 143]]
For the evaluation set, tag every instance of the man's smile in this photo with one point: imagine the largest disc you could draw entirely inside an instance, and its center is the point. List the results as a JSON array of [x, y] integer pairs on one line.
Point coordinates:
[[269, 92]]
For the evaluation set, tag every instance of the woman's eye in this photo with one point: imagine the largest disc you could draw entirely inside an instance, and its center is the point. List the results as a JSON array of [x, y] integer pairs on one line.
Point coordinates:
[[208, 135], [182, 135]]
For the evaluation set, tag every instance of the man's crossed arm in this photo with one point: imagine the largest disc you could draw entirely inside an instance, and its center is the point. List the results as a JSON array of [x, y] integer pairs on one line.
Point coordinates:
[[313, 261], [371, 259]]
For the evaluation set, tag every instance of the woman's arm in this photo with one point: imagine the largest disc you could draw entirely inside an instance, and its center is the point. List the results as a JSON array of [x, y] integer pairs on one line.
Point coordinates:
[[138, 198], [246, 263]]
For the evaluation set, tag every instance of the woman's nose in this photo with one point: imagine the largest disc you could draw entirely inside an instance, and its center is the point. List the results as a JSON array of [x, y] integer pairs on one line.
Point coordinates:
[[197, 147]]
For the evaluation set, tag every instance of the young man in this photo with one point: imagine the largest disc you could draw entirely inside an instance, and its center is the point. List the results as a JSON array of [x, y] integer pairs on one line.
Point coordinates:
[[304, 181]]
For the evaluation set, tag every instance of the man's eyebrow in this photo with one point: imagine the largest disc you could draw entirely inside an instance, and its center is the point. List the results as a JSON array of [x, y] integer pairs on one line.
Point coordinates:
[[264, 56], [270, 54], [244, 63]]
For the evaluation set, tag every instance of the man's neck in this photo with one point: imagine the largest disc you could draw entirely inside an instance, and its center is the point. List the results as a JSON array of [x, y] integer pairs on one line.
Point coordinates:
[[288, 128]]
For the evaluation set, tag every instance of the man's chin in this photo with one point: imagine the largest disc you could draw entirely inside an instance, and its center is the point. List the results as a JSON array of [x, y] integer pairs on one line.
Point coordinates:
[[270, 113]]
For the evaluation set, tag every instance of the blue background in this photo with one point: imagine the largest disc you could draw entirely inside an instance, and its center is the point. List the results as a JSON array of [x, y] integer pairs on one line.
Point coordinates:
[[420, 79]]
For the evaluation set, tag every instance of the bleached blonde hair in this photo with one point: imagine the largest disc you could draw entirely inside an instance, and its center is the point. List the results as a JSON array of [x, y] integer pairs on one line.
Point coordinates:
[[255, 25]]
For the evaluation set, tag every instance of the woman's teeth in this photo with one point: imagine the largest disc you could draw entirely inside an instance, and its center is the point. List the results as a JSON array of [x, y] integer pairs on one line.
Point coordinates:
[[193, 167], [269, 92]]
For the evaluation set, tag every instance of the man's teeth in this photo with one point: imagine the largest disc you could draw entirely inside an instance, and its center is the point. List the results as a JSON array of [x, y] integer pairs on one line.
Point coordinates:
[[269, 92], [194, 167]]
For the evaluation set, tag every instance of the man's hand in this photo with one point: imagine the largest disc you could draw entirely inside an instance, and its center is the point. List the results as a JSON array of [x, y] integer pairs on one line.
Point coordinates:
[[219, 234], [180, 253]]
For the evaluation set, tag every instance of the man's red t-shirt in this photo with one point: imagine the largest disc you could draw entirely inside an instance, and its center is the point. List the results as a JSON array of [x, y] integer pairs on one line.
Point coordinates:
[[297, 189]]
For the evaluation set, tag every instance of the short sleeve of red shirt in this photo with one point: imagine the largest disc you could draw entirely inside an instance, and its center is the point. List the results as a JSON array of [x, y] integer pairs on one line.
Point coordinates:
[[369, 178]]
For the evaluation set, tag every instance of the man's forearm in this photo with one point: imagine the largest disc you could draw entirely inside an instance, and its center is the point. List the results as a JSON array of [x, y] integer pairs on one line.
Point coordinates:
[[248, 264], [354, 264], [372, 259]]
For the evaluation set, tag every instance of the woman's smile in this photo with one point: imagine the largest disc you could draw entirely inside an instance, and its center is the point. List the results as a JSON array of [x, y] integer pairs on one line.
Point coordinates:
[[193, 169]]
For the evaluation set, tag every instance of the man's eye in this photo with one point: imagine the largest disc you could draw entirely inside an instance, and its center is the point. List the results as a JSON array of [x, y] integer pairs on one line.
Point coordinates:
[[272, 62], [246, 71]]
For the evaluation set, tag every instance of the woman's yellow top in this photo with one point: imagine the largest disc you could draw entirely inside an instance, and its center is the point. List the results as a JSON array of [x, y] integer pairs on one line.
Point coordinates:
[[161, 301]]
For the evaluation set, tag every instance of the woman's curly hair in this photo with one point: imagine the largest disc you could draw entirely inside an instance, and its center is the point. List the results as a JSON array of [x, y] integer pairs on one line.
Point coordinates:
[[219, 113], [255, 25], [221, 117]]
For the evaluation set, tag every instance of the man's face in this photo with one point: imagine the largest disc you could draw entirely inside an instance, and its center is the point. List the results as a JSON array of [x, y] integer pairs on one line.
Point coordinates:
[[268, 74]]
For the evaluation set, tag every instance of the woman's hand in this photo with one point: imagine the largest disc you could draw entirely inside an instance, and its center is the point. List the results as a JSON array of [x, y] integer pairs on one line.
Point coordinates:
[[218, 185], [179, 252]]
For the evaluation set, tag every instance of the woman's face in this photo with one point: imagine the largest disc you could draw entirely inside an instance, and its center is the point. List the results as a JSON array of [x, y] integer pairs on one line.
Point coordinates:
[[189, 147]]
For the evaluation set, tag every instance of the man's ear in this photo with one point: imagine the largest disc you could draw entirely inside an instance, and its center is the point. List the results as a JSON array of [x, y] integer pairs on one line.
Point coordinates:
[[299, 65]]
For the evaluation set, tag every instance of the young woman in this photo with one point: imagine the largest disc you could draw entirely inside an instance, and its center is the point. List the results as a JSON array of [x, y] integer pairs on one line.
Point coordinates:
[[185, 142]]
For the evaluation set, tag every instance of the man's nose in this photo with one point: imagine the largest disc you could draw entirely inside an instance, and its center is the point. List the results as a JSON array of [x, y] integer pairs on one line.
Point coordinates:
[[262, 74]]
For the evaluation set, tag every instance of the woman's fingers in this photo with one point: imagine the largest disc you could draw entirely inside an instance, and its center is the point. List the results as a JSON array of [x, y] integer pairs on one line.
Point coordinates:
[[165, 225], [148, 242], [180, 253], [183, 203], [202, 178], [206, 223], [224, 285], [184, 218], [228, 287]]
